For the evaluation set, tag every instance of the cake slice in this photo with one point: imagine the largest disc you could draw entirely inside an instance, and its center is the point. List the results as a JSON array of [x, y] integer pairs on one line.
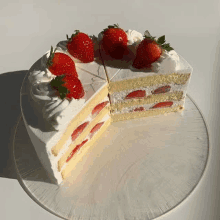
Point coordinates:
[[141, 87], [120, 75], [61, 129], [146, 93]]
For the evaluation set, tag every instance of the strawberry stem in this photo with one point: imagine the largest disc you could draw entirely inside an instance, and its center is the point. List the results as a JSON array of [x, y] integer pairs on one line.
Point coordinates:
[[160, 41], [111, 26], [73, 35], [57, 83], [50, 58]]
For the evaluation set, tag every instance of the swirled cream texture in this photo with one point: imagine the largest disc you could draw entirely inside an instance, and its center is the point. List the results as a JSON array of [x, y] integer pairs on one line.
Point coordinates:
[[134, 37], [55, 110], [168, 62]]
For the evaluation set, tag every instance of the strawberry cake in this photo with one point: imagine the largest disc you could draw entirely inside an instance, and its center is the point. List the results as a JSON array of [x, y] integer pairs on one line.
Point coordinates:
[[74, 92]]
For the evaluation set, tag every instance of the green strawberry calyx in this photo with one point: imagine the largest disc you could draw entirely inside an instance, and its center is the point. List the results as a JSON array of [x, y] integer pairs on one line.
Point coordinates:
[[73, 35], [57, 83], [51, 56], [111, 26], [160, 41]]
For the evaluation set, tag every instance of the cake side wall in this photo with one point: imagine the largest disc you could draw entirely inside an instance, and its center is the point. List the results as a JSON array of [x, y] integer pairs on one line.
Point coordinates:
[[83, 114], [134, 94], [39, 146]]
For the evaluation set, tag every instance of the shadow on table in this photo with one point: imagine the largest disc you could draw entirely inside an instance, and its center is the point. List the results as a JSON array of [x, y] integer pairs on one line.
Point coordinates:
[[27, 162], [10, 114], [10, 85]]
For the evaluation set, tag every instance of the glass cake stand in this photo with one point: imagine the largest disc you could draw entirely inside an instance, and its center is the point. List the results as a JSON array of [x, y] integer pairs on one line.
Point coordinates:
[[139, 169]]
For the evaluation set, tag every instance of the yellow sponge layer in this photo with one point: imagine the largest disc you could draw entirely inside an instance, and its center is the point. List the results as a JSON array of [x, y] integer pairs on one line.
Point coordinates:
[[148, 81], [152, 112], [173, 96]]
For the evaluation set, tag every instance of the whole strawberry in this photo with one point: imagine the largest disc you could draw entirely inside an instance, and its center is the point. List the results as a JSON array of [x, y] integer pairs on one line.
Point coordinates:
[[68, 87], [60, 63], [149, 51], [114, 41], [81, 46]]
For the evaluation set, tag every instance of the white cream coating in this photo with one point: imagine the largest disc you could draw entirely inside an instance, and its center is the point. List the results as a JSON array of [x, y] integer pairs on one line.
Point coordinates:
[[44, 151], [146, 106], [168, 62], [120, 96], [134, 39], [42, 142], [46, 98], [50, 161], [130, 73], [56, 111]]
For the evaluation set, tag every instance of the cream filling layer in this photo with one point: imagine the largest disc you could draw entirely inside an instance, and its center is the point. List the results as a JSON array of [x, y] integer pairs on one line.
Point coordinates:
[[173, 96], [121, 96]]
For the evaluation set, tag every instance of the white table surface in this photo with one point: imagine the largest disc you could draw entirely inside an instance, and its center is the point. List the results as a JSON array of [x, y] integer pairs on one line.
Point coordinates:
[[29, 28]]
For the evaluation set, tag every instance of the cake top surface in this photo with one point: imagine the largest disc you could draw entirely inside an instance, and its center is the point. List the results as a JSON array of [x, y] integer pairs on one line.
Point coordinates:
[[95, 71]]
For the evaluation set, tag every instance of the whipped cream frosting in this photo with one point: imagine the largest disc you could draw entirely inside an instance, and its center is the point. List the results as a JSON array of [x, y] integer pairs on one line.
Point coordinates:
[[168, 62], [120, 96], [55, 110], [134, 37]]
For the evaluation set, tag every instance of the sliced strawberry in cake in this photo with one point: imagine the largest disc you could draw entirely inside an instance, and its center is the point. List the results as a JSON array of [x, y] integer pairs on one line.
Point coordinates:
[[77, 148], [96, 128], [139, 109], [162, 89], [79, 130], [163, 104], [99, 108], [136, 94]]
